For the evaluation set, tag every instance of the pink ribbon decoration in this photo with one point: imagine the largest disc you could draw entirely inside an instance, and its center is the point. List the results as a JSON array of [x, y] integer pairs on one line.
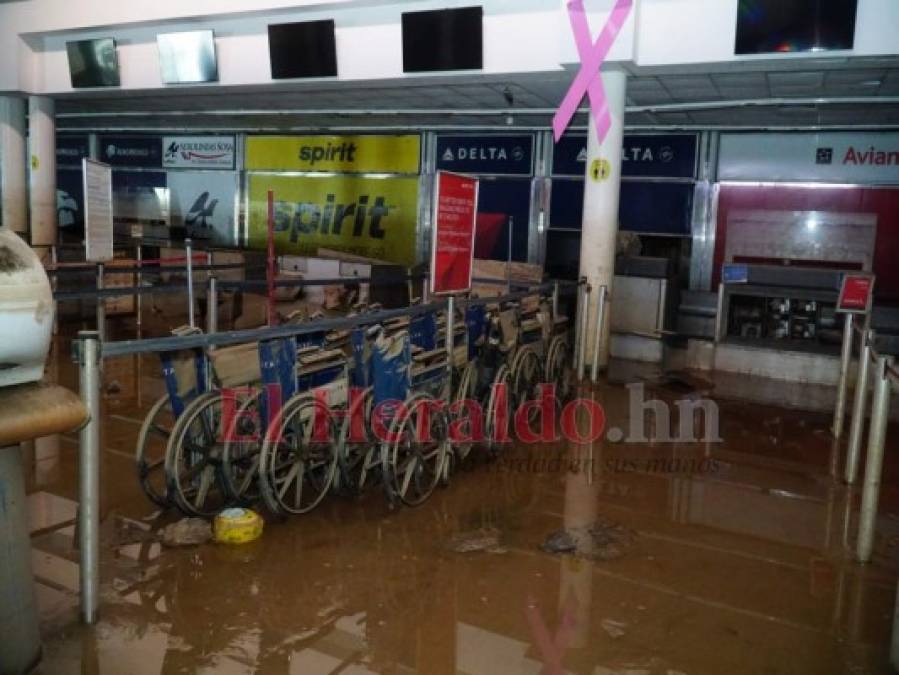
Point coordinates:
[[592, 57]]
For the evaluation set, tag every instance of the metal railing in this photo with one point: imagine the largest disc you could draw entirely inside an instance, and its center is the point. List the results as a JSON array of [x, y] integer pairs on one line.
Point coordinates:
[[877, 372], [89, 350]]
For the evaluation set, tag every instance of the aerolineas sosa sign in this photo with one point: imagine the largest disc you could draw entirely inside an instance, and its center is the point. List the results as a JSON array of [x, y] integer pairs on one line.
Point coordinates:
[[198, 152]]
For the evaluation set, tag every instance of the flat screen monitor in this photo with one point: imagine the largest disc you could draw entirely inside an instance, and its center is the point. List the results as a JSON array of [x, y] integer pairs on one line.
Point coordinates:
[[187, 57], [443, 39], [302, 49], [771, 26], [93, 63]]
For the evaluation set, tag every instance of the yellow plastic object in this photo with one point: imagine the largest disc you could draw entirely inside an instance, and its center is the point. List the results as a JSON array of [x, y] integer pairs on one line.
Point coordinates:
[[237, 526]]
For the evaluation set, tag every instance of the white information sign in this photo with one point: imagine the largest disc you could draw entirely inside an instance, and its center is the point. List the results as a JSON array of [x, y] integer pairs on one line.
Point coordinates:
[[97, 210]]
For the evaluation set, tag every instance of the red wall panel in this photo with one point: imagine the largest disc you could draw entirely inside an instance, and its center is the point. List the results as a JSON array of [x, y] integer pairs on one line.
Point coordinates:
[[851, 199]]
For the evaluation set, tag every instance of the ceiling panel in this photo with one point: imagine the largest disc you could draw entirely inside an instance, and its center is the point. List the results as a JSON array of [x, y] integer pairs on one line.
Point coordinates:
[[724, 82]]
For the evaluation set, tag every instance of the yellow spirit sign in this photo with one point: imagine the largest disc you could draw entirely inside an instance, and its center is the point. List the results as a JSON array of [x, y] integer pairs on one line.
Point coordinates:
[[372, 217], [338, 154]]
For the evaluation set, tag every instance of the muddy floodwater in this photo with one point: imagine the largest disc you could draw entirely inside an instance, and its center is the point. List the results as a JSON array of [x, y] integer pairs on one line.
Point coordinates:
[[656, 557]]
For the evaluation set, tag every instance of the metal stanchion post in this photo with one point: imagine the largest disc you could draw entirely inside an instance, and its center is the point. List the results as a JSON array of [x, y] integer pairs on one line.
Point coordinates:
[[88, 355], [555, 300], [212, 307], [880, 411], [582, 353], [450, 334], [509, 258], [719, 314], [600, 320], [101, 303], [859, 407], [188, 247], [138, 298], [578, 317], [839, 413]]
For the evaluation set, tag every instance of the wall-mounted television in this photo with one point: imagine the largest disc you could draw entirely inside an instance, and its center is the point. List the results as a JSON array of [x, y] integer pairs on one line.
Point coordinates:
[[772, 26], [443, 39], [93, 63], [187, 57], [302, 49]]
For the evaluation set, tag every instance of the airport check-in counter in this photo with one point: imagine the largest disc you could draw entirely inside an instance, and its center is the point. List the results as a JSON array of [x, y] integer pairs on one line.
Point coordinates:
[[644, 309], [780, 308]]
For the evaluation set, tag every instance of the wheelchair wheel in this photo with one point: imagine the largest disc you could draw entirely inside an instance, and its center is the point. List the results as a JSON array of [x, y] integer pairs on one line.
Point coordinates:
[[240, 452], [149, 454], [354, 456], [296, 469], [413, 457], [527, 374], [497, 420], [466, 390], [558, 369], [194, 455]]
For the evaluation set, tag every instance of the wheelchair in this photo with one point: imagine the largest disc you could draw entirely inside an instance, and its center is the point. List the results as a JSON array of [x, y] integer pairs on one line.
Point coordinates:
[[184, 375]]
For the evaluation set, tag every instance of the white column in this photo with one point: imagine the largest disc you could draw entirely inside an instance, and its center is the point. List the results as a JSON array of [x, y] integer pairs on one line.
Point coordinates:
[[42, 147], [13, 174], [602, 185]]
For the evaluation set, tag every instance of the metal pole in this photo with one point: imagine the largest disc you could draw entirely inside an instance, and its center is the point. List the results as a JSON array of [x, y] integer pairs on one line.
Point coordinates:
[[839, 415], [450, 332], [212, 307], [270, 259], [859, 407], [188, 247], [555, 299], [138, 299], [719, 314], [600, 320], [88, 354], [578, 318], [874, 460], [101, 303], [509, 259], [582, 354]]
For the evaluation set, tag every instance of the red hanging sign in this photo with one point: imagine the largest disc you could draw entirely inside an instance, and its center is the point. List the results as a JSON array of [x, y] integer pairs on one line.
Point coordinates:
[[856, 294], [452, 244]]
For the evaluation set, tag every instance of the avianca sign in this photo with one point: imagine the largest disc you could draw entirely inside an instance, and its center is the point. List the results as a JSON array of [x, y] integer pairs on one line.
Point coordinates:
[[871, 156], [856, 158]]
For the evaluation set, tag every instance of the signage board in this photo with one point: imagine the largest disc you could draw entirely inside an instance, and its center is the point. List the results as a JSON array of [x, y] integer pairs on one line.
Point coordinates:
[[71, 149], [203, 202], [97, 210], [133, 151], [856, 294], [198, 152], [506, 155], [862, 158], [360, 215], [643, 155], [335, 154], [733, 273], [452, 243]]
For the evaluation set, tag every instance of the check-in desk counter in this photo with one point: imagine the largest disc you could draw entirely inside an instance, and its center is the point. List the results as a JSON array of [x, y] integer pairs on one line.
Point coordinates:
[[643, 310]]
